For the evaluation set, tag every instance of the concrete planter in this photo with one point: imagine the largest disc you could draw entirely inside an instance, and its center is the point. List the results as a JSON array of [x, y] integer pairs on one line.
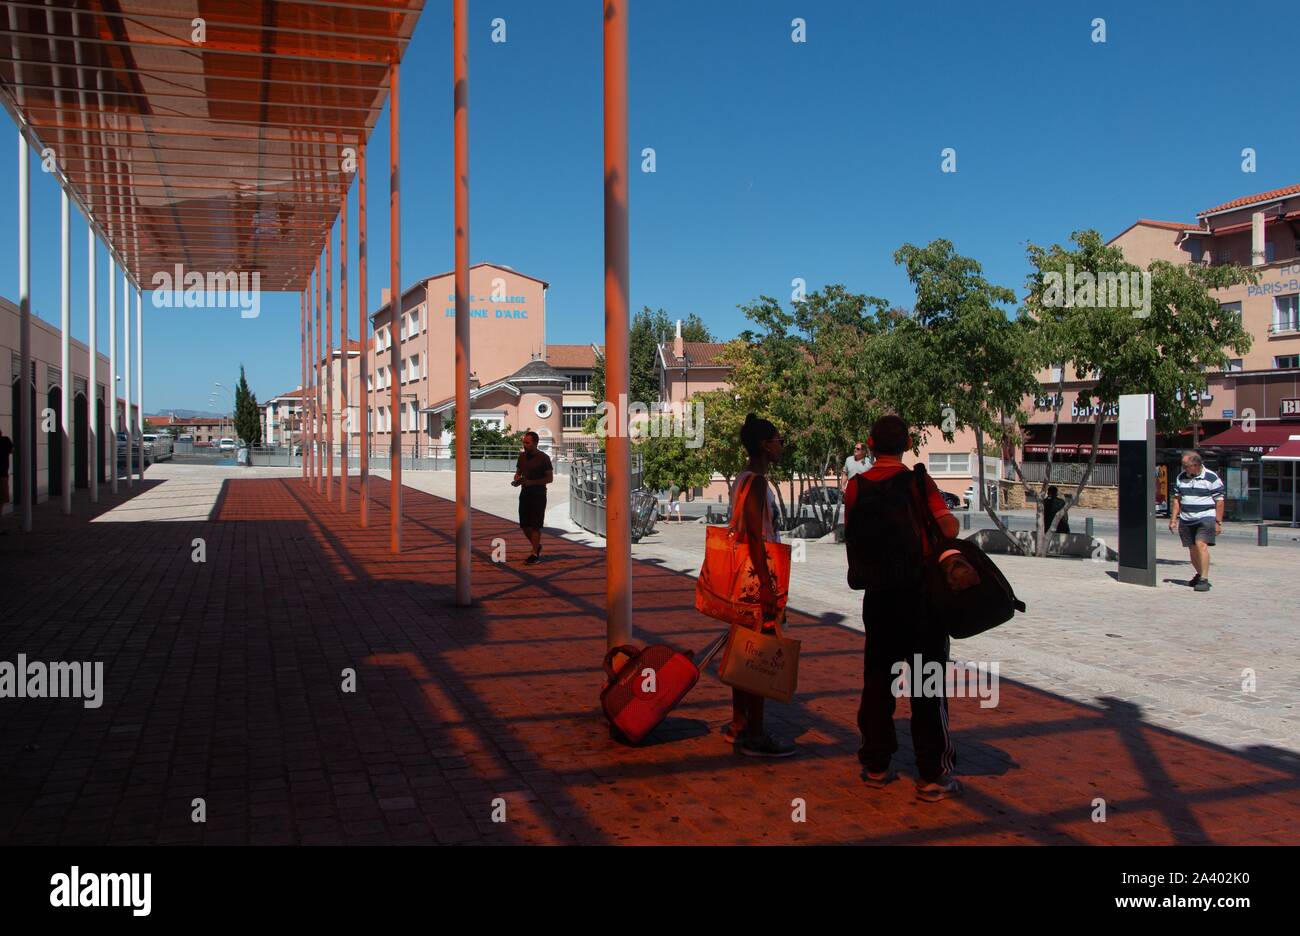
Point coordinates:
[[1076, 545]]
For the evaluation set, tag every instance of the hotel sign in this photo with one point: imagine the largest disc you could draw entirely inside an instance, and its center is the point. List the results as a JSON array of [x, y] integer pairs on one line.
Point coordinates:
[[1281, 286]]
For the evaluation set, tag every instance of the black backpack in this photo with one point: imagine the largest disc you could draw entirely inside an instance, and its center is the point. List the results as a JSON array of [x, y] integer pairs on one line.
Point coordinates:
[[886, 551], [882, 535], [973, 610]]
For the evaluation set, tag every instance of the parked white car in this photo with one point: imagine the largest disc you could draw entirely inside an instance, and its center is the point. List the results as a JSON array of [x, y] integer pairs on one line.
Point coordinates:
[[227, 445], [121, 451], [990, 497], [157, 447]]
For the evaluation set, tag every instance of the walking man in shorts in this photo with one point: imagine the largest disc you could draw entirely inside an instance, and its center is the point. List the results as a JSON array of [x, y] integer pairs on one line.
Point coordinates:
[[1197, 514], [533, 471]]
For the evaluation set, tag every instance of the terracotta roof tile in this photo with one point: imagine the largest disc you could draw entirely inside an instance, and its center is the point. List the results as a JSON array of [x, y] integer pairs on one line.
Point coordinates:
[[570, 355], [1252, 199], [698, 353]]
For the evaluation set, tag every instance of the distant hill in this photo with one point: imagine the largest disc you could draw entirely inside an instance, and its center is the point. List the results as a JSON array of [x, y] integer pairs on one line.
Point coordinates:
[[189, 414]]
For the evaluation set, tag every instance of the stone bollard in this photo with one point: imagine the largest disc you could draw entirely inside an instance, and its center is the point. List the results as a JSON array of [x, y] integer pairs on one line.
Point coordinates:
[[1261, 534], [1087, 526], [965, 520]]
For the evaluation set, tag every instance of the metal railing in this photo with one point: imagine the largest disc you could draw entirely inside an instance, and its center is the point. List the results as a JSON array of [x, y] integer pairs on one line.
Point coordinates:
[[1103, 475], [587, 489]]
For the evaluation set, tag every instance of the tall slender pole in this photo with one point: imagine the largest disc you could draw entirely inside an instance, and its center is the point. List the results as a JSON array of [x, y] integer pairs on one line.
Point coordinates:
[[618, 474], [316, 402], [395, 307], [345, 423], [306, 385], [302, 383], [139, 375], [126, 373], [363, 336], [309, 398], [112, 372], [460, 95], [25, 464], [65, 351], [329, 365], [94, 441]]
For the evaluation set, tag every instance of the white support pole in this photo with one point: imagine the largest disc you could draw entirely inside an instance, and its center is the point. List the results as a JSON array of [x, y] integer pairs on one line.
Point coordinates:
[[25, 464], [65, 351], [126, 371], [111, 403], [139, 375], [93, 440]]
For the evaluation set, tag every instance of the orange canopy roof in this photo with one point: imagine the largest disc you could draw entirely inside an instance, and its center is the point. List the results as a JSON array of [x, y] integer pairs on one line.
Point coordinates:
[[207, 133]]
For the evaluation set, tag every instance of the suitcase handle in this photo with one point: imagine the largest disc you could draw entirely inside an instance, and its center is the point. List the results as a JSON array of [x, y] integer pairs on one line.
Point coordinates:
[[625, 649], [709, 652]]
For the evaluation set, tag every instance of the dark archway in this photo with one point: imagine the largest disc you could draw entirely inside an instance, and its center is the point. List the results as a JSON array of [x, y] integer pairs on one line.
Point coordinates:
[[18, 478], [80, 442], [54, 443], [100, 442]]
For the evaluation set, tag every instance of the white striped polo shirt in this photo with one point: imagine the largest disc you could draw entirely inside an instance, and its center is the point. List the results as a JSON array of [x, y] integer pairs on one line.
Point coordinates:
[[1197, 494]]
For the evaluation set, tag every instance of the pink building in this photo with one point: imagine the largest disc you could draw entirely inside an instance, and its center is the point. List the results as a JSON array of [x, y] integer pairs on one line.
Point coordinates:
[[282, 416], [46, 379], [690, 367], [517, 381]]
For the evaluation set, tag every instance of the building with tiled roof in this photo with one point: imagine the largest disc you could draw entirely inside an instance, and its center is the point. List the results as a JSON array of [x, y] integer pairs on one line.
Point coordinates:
[[689, 367], [282, 415], [576, 362], [1247, 201]]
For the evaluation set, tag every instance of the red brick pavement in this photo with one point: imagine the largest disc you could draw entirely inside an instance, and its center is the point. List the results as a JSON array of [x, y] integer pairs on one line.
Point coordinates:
[[224, 682]]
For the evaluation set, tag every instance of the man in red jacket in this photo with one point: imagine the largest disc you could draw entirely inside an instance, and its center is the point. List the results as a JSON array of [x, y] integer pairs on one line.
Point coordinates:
[[900, 626]]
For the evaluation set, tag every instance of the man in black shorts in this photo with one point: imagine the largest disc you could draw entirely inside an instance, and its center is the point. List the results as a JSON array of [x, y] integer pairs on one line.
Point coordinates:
[[533, 471], [1196, 514]]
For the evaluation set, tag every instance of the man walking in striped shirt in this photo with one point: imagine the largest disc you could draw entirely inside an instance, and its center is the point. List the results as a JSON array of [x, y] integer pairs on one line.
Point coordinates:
[[1197, 514]]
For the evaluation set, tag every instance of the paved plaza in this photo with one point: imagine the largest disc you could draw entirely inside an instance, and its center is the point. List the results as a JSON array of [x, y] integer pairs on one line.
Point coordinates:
[[225, 682]]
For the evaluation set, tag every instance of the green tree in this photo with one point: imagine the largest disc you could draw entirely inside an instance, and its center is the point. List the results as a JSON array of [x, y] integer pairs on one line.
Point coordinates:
[[483, 436], [248, 423], [647, 331], [969, 358], [724, 414], [1164, 347], [667, 460], [809, 373]]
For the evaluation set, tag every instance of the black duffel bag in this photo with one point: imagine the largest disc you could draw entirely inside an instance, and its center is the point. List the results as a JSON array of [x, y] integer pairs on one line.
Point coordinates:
[[966, 589]]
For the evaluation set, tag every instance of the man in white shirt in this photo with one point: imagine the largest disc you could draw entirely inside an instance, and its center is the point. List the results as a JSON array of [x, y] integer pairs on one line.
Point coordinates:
[[1196, 514], [856, 464]]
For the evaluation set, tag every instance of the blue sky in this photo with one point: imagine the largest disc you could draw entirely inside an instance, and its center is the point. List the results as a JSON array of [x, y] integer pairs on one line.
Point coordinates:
[[775, 160]]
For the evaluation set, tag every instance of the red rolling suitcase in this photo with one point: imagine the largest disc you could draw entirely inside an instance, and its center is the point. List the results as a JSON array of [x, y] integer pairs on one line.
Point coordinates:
[[649, 685]]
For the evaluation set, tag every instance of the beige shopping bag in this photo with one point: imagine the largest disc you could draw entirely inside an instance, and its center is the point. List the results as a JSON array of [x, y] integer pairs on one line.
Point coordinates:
[[764, 664]]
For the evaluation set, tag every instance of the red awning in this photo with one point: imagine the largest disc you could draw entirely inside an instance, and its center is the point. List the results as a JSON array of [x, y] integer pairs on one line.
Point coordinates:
[[1062, 448], [1287, 451], [1104, 448], [1263, 437]]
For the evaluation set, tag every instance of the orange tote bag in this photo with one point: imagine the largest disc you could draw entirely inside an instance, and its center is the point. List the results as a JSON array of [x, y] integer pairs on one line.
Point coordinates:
[[727, 588]]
